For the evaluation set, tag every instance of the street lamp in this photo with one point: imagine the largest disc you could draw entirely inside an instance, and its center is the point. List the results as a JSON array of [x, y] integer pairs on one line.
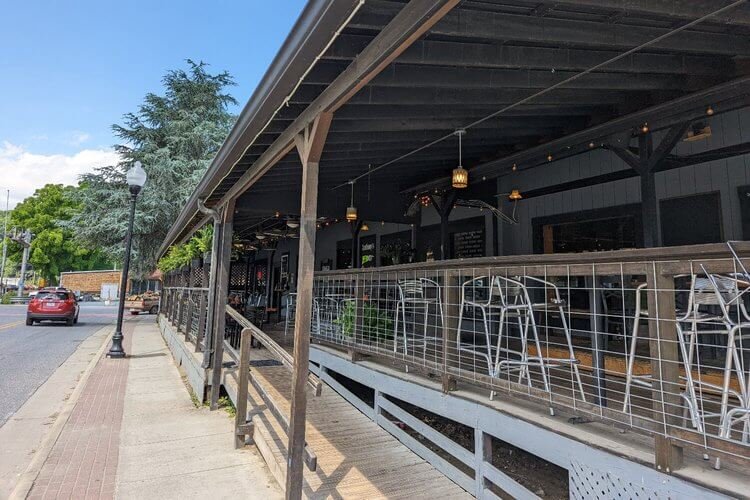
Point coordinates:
[[136, 178]]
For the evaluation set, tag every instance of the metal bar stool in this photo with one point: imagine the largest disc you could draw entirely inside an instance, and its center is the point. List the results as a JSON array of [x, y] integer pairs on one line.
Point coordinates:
[[412, 294]]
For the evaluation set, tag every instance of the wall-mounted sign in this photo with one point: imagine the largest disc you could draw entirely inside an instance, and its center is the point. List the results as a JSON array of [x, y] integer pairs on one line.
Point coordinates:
[[468, 244], [367, 248]]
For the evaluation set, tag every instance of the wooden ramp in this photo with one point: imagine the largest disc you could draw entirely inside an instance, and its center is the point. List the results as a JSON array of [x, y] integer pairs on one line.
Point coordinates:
[[356, 458]]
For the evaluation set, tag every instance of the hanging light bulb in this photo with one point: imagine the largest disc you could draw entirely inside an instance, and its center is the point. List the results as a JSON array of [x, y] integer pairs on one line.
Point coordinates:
[[515, 167], [460, 178], [514, 195], [351, 211], [644, 128], [549, 157], [710, 111]]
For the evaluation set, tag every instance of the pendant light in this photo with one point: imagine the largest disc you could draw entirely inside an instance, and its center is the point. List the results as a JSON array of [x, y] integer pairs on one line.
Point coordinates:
[[351, 211], [460, 177], [515, 195]]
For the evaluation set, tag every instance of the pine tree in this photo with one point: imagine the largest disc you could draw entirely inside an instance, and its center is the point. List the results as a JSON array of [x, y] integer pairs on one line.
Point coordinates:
[[175, 136]]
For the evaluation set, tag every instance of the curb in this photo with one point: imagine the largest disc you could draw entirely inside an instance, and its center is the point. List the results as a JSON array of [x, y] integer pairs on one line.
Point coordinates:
[[26, 481]]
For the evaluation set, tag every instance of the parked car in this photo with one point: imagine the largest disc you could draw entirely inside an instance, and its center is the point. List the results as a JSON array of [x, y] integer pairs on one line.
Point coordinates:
[[147, 302], [54, 304]]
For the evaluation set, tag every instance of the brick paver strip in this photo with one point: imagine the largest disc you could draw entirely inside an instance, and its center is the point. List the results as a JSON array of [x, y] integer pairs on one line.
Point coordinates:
[[83, 461]]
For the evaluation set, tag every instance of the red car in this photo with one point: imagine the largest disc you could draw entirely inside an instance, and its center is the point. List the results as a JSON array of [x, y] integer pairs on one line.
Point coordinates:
[[55, 304]]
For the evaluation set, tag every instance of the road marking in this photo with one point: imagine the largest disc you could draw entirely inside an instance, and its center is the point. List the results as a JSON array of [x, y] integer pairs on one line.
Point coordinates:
[[10, 325]]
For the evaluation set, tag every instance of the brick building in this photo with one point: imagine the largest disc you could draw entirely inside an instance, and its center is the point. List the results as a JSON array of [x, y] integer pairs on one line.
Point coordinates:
[[104, 283]]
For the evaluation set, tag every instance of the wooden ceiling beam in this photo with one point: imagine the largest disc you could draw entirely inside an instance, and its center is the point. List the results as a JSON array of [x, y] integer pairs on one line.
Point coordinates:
[[489, 55], [499, 26]]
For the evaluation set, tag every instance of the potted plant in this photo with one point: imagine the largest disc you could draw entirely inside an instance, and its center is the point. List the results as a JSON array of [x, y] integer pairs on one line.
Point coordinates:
[[375, 324], [393, 252]]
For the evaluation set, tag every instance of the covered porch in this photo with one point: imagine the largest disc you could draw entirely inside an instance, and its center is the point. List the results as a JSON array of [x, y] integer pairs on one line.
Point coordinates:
[[518, 204]]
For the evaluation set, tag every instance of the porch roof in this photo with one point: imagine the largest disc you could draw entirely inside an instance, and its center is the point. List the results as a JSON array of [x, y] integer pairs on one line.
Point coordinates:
[[401, 75]]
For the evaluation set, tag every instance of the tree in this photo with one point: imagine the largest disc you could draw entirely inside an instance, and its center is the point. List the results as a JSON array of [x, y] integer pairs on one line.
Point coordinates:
[[175, 136], [54, 248]]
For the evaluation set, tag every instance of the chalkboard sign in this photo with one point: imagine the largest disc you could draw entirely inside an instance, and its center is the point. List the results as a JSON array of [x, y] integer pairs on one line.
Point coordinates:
[[367, 249], [468, 244]]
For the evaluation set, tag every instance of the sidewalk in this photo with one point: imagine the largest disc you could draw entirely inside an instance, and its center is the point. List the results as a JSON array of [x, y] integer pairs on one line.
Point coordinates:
[[135, 433]]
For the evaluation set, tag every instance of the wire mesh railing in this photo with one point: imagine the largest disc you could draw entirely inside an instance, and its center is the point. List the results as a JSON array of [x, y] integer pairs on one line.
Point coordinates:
[[658, 346], [187, 309]]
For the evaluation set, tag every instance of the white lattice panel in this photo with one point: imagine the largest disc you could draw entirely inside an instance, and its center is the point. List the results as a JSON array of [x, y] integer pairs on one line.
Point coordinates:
[[590, 483]]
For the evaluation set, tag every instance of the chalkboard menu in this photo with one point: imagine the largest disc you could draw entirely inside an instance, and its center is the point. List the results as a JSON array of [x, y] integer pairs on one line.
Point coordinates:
[[468, 244], [367, 251]]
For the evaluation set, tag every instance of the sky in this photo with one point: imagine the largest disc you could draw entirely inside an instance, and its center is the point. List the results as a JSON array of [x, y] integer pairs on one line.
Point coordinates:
[[69, 70]]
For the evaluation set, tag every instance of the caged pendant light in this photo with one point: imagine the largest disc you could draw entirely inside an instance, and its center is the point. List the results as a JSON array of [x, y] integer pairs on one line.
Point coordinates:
[[351, 211], [460, 177]]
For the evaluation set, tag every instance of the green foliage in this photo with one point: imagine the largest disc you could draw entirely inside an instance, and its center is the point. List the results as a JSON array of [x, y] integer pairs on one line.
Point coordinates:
[[375, 324], [181, 255], [175, 136], [7, 296], [226, 404], [204, 238], [54, 248]]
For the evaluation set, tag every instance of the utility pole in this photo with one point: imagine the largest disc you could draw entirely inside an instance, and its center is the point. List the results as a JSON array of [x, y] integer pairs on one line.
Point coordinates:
[[5, 241], [24, 238]]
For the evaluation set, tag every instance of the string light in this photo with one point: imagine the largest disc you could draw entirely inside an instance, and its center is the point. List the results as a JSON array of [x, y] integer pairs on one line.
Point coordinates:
[[644, 128], [710, 111], [351, 211], [549, 157], [515, 195], [460, 177]]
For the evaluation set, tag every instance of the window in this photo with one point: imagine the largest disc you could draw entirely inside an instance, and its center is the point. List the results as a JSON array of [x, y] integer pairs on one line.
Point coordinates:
[[611, 228], [691, 220], [52, 295]]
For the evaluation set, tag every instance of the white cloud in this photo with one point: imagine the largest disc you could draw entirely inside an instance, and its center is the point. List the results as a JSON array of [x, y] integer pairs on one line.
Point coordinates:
[[78, 138], [23, 172]]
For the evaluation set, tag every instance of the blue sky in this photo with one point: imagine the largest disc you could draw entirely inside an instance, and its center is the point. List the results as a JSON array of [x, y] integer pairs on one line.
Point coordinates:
[[69, 70]]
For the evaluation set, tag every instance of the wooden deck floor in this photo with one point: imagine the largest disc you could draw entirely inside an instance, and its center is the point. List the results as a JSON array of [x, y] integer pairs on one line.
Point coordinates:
[[356, 457]]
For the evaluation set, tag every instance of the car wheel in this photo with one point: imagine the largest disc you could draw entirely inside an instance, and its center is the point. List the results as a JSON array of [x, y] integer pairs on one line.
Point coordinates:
[[153, 310], [75, 320], [69, 322], [29, 322]]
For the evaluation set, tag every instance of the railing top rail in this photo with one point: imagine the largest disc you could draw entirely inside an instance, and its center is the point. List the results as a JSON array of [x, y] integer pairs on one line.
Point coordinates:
[[633, 258], [186, 288], [274, 348]]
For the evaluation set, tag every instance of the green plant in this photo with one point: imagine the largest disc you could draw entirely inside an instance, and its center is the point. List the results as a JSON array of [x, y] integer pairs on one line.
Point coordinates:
[[204, 239], [181, 255], [375, 324], [226, 404], [6, 298], [194, 399]]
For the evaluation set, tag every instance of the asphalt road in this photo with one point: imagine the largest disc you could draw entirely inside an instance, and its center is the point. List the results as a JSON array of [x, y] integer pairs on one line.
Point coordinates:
[[30, 354]]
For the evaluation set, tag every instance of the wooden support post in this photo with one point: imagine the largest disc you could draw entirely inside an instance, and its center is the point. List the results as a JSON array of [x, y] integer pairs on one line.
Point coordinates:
[[665, 367], [310, 148], [188, 315], [220, 301], [175, 305], [451, 308], [211, 304], [444, 208], [646, 163], [482, 454], [649, 210], [240, 417], [180, 309], [200, 336]]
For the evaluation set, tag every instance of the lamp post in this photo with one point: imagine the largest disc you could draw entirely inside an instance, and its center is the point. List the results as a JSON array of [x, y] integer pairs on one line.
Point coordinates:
[[136, 178]]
